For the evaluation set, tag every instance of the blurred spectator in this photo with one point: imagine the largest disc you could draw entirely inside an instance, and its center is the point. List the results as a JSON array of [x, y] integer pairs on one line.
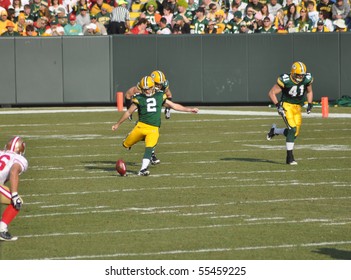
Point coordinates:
[[206, 4], [250, 17], [323, 15], [21, 23], [152, 15], [34, 8], [243, 28], [264, 11], [220, 21], [172, 4], [41, 25], [211, 12], [211, 28], [10, 30], [176, 29], [73, 28], [92, 30], [183, 13], [80, 3], [84, 17], [183, 26], [28, 14], [44, 10], [61, 17], [5, 4], [290, 26], [233, 25], [279, 21], [200, 22], [164, 28], [54, 7], [17, 6], [233, 9], [55, 29], [292, 13], [303, 23], [254, 6], [168, 14], [339, 25], [30, 31], [304, 3], [312, 13], [100, 26], [192, 6], [96, 8], [241, 6], [325, 5], [320, 27], [273, 7], [120, 18], [140, 27], [341, 10], [104, 17], [267, 26]]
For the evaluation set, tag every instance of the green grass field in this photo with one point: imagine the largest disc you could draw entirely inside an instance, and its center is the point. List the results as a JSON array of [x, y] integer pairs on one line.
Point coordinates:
[[222, 191]]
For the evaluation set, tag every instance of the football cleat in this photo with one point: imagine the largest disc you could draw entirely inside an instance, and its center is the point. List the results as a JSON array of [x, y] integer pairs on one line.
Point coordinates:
[[6, 236], [154, 159], [130, 117], [167, 113], [290, 158], [144, 172], [271, 133]]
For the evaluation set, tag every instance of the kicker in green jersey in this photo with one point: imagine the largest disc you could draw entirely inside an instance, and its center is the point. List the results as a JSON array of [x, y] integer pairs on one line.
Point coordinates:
[[149, 107]]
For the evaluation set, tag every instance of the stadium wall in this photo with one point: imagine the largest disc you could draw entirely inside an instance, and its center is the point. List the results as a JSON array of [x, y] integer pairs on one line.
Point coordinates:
[[208, 69]]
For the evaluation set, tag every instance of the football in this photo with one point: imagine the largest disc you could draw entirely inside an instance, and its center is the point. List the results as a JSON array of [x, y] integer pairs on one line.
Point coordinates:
[[121, 167]]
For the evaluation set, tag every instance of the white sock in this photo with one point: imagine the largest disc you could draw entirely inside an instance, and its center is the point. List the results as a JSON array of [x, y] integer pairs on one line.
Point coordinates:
[[3, 226], [289, 146], [145, 163]]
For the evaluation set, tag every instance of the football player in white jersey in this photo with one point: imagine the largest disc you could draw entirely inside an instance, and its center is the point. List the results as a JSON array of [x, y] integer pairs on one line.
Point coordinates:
[[12, 165]]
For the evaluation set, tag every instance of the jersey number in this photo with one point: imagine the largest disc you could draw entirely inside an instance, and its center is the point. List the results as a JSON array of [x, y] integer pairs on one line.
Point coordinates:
[[3, 161], [297, 91], [151, 105]]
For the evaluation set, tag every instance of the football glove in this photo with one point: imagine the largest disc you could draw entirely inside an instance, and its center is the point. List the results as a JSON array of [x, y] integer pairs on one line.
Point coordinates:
[[17, 201], [309, 108], [280, 109]]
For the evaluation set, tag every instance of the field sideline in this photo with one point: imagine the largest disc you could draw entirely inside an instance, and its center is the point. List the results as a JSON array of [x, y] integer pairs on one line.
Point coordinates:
[[222, 191]]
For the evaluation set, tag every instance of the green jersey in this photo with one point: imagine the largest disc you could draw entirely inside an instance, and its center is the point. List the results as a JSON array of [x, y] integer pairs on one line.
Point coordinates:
[[149, 107], [291, 92]]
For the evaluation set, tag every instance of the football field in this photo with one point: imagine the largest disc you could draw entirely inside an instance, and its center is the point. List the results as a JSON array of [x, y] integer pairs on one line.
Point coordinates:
[[221, 191]]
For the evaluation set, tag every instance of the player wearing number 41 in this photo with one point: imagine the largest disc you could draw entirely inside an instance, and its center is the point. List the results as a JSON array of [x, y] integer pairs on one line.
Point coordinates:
[[149, 104], [295, 87], [12, 165]]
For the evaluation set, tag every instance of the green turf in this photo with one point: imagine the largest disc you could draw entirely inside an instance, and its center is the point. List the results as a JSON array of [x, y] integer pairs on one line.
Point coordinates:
[[222, 191]]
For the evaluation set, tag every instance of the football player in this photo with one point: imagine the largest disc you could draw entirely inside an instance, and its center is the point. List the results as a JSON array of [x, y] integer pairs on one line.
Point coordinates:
[[295, 87], [149, 105], [12, 165], [161, 83]]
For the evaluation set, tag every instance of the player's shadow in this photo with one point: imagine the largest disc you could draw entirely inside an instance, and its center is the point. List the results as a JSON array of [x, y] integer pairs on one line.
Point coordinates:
[[250, 160], [334, 253], [105, 165]]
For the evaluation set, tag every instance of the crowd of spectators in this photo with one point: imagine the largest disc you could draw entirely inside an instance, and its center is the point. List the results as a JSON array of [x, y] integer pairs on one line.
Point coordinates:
[[108, 17]]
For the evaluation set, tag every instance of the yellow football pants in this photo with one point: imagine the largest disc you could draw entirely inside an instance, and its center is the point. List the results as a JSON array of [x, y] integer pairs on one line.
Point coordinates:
[[293, 116], [142, 131]]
